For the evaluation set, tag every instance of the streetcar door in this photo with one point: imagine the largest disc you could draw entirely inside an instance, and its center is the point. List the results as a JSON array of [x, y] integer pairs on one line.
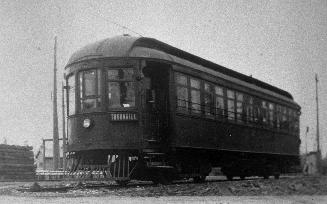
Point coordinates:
[[156, 102]]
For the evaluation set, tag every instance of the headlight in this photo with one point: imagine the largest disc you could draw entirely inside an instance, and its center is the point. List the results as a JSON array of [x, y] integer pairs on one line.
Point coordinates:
[[87, 123]]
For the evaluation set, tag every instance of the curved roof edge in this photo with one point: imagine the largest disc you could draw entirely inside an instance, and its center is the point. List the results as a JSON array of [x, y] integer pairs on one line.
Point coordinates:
[[117, 46], [121, 46], [155, 44]]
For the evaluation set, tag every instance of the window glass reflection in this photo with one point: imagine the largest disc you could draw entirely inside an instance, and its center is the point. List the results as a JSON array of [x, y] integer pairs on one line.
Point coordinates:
[[89, 89], [182, 98], [90, 83], [181, 79], [71, 95], [121, 89]]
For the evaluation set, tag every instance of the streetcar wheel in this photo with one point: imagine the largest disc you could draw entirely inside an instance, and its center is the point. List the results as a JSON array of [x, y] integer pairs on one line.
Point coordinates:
[[276, 176], [229, 177], [199, 179], [161, 178], [122, 182]]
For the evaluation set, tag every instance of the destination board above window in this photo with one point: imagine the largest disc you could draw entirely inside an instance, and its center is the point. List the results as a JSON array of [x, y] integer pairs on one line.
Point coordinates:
[[123, 116]]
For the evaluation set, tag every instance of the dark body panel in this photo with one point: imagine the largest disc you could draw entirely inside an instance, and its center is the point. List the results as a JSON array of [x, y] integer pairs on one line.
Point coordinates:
[[105, 133], [194, 132]]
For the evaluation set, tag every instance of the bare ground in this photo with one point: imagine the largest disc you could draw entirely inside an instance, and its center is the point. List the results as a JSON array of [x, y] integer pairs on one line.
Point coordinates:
[[214, 186]]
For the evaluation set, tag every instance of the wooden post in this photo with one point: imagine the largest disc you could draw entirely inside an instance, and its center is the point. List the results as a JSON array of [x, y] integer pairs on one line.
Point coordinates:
[[63, 127], [44, 168], [55, 114], [318, 136], [317, 103]]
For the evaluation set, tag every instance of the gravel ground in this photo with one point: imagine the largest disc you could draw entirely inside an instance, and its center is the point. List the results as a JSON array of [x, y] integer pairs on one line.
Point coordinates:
[[214, 186], [171, 199]]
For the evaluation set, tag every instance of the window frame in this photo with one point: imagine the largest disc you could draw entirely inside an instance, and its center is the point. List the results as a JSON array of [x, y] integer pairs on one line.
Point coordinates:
[[106, 86], [224, 98], [231, 115], [67, 89], [249, 101], [182, 109], [254, 110], [98, 86], [271, 114], [265, 112], [195, 111], [211, 95], [239, 115]]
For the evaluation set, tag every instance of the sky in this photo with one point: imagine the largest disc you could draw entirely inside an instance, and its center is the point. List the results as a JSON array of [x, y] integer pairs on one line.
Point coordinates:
[[283, 43]]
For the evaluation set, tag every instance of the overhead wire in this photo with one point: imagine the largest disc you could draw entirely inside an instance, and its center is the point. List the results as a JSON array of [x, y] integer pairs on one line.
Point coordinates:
[[115, 23]]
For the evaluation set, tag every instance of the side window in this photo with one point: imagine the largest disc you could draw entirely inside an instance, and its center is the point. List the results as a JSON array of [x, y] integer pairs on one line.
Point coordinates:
[[264, 111], [71, 95], [296, 122], [239, 107], [291, 120], [278, 116], [195, 95], [182, 92], [257, 116], [121, 87], [271, 114], [249, 108], [89, 89], [208, 99], [231, 104], [284, 123], [219, 101]]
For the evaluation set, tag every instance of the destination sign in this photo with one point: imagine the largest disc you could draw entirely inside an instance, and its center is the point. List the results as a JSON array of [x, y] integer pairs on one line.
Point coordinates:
[[123, 116]]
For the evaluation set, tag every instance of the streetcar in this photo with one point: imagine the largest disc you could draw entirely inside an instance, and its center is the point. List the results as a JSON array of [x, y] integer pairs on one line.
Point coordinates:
[[138, 108]]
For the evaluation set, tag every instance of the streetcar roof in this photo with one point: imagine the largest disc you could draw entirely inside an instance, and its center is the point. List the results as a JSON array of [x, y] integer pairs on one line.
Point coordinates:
[[128, 46]]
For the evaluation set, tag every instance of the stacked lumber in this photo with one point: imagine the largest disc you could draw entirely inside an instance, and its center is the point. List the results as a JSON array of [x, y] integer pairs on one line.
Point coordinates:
[[16, 163]]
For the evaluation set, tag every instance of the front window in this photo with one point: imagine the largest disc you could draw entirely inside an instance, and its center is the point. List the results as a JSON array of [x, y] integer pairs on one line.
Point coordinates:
[[71, 95], [89, 84], [121, 88]]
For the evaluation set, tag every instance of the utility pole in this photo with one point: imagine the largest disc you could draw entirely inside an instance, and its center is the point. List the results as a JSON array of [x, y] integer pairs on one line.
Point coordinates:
[[63, 126], [44, 160], [317, 103], [306, 141], [56, 155], [318, 137]]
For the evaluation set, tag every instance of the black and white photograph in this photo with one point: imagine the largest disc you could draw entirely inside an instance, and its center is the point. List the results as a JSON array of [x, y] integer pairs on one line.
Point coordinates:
[[173, 101]]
